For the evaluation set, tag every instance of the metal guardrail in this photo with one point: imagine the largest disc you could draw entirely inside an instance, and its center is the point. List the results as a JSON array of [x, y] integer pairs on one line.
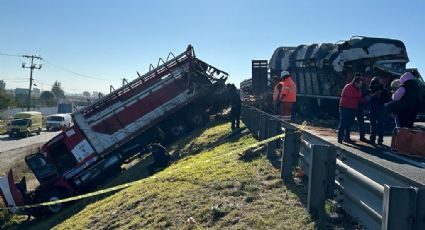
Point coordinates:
[[376, 197]]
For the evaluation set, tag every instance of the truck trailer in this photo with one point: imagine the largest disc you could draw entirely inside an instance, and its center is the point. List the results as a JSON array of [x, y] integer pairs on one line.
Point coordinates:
[[174, 97], [322, 70]]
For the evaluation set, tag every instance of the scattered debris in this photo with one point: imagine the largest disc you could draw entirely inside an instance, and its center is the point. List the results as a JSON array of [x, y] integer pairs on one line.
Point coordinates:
[[252, 153]]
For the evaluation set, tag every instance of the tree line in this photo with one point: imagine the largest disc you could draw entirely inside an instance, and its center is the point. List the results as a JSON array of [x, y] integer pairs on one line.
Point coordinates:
[[46, 98]]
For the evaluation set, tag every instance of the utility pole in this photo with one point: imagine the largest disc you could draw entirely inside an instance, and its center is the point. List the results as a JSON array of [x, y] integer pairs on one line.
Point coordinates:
[[31, 67]]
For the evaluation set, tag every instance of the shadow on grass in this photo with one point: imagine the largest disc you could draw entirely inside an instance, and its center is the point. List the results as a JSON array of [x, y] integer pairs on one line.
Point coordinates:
[[195, 149]]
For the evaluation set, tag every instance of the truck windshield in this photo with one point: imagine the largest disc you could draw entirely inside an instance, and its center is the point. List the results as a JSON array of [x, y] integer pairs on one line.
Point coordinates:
[[19, 122], [42, 169], [55, 118], [396, 68]]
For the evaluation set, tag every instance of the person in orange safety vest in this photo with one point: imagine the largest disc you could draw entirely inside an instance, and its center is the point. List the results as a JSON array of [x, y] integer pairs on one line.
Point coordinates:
[[285, 95]]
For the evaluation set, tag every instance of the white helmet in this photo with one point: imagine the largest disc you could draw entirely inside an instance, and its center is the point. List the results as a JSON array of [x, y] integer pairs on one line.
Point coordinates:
[[395, 84], [284, 73]]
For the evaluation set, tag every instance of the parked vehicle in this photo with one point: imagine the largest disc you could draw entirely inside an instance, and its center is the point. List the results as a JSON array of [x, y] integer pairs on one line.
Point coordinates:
[[65, 106], [58, 121], [173, 97], [25, 123]]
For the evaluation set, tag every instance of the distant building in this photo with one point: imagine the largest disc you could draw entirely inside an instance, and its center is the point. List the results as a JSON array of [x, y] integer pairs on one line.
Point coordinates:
[[19, 91], [21, 94], [36, 92]]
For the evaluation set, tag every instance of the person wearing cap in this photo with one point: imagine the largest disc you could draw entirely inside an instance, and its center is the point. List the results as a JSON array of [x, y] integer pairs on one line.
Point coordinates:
[[394, 85], [285, 94]]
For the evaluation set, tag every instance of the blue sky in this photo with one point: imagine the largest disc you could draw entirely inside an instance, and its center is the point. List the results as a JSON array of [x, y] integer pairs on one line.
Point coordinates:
[[110, 40]]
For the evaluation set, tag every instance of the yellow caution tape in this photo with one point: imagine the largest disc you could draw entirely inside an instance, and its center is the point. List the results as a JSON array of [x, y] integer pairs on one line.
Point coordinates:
[[126, 185]]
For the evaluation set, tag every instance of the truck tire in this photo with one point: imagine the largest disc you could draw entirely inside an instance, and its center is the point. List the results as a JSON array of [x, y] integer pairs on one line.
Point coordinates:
[[38, 131], [52, 195], [175, 130], [197, 119], [307, 107]]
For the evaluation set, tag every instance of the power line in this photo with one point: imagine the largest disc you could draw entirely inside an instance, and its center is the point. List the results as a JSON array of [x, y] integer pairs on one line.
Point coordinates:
[[59, 67], [13, 79], [10, 55], [75, 73]]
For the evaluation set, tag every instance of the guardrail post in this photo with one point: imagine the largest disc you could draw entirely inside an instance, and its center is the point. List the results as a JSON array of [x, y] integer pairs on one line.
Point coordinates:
[[321, 178], [255, 122], [399, 207], [264, 126], [250, 112], [243, 114], [420, 210], [275, 128], [290, 154]]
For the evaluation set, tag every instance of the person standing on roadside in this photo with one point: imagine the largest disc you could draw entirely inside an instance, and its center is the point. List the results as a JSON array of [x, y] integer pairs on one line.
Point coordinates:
[[377, 98], [285, 93], [360, 113], [351, 97], [406, 100], [236, 104]]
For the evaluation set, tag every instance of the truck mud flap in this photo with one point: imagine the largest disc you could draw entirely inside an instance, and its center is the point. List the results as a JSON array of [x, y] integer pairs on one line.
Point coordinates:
[[12, 197]]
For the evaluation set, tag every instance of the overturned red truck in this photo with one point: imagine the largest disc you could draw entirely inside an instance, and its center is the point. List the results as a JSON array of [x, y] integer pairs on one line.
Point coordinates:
[[174, 97]]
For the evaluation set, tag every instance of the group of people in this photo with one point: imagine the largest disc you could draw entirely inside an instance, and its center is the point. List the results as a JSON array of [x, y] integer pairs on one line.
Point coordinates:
[[403, 104]]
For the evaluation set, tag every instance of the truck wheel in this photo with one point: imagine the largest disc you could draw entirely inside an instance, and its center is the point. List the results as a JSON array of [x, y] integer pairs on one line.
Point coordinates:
[[197, 120], [39, 131], [53, 195], [27, 134], [306, 107], [175, 130], [178, 129]]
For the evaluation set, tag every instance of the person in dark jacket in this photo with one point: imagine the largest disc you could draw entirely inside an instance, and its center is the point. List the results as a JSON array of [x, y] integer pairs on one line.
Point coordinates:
[[236, 104], [161, 157], [406, 100], [351, 97], [377, 98]]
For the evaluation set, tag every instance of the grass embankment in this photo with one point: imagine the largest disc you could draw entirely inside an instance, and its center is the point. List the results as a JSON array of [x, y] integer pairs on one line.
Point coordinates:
[[212, 189]]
